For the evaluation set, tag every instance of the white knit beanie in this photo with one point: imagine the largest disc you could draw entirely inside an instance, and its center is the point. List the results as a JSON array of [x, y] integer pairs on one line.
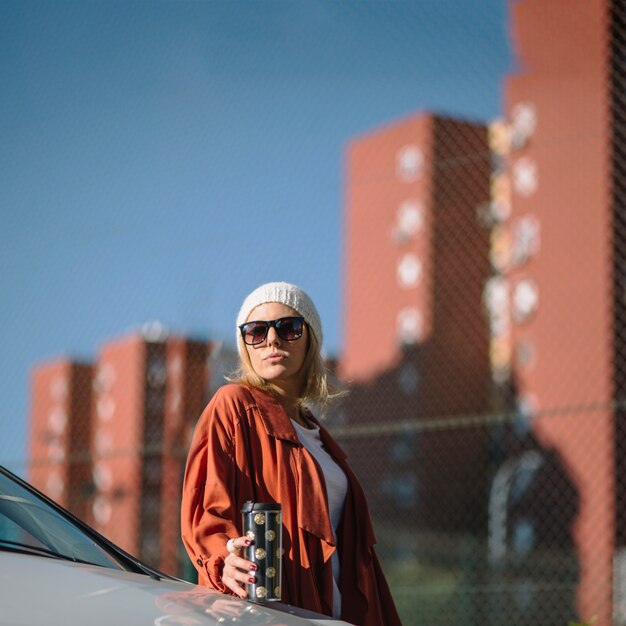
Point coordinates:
[[286, 294]]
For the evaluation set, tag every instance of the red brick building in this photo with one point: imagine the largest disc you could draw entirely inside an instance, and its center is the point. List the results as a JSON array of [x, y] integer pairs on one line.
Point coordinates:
[[554, 314], [416, 337], [416, 345]]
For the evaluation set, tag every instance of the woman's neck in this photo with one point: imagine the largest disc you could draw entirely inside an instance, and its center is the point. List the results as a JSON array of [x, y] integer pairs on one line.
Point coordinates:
[[293, 409]]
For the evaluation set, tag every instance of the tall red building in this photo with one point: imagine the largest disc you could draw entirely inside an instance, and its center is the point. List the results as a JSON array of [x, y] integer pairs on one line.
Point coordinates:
[[415, 341], [552, 300], [413, 243], [127, 431], [416, 337], [148, 395]]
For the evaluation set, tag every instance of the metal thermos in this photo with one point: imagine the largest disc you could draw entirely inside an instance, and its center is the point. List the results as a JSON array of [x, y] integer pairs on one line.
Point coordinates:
[[262, 524]]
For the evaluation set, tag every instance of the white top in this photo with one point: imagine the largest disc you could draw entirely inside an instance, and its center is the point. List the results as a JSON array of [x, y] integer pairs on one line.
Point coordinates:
[[336, 490]]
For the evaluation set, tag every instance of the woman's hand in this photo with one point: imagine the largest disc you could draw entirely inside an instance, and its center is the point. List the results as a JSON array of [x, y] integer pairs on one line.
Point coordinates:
[[237, 570]]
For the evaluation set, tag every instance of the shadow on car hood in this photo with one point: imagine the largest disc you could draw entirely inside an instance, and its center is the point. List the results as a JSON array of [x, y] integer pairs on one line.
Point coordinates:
[[37, 590]]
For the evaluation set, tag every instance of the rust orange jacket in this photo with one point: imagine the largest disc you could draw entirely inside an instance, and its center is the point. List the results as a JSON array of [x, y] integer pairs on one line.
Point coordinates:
[[245, 448]]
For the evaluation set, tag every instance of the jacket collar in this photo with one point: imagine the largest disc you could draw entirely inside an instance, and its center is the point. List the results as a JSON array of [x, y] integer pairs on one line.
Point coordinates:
[[274, 417], [279, 425]]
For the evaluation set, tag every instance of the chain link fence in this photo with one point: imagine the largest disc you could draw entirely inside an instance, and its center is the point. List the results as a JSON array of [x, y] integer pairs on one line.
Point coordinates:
[[484, 319]]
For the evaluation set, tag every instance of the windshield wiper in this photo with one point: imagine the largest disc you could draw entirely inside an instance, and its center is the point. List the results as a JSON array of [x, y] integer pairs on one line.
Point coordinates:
[[16, 546]]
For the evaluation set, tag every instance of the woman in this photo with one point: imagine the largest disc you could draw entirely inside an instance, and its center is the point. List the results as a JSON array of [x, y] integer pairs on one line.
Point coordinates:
[[258, 440]]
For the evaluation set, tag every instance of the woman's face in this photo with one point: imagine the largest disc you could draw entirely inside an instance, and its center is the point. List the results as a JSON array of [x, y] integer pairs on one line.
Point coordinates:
[[276, 360]]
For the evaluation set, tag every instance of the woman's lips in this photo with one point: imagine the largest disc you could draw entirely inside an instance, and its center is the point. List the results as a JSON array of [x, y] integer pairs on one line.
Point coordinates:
[[275, 357]]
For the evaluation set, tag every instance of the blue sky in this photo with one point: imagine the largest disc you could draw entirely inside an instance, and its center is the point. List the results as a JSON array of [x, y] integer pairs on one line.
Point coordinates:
[[161, 159]]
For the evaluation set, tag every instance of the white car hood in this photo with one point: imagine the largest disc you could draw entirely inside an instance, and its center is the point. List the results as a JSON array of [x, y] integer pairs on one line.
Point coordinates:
[[37, 591]]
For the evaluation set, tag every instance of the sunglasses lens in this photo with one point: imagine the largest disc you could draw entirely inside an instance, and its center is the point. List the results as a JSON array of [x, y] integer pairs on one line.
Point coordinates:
[[254, 332], [289, 328]]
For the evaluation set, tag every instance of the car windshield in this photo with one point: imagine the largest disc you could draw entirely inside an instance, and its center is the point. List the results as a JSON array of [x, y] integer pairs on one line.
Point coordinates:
[[29, 524]]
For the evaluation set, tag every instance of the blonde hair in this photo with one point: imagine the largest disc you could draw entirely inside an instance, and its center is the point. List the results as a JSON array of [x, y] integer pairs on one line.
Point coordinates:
[[317, 393]]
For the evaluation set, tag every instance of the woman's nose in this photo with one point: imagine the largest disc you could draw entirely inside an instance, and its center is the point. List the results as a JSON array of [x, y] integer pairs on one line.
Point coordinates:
[[272, 336]]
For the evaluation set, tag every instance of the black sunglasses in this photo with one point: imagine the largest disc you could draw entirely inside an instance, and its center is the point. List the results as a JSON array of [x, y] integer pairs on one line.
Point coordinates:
[[287, 328]]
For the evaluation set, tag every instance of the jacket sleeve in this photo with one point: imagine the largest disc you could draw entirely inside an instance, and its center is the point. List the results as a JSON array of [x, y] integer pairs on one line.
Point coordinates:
[[208, 498]]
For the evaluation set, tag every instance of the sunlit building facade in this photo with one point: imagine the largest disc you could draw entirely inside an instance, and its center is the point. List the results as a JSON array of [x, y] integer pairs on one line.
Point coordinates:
[[416, 337]]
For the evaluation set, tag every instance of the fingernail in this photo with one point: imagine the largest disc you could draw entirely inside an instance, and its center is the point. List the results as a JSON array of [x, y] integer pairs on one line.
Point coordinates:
[[253, 568], [248, 542], [251, 579]]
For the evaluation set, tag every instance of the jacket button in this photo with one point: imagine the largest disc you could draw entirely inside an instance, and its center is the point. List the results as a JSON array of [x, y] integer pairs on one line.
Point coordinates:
[[199, 562]]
